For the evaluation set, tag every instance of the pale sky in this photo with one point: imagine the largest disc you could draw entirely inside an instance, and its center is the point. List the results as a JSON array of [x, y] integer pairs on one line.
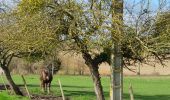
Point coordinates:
[[153, 3], [135, 4]]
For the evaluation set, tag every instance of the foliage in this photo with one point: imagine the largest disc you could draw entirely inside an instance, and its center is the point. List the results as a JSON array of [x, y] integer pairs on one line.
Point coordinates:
[[29, 35], [32, 6], [151, 40], [161, 35], [43, 26]]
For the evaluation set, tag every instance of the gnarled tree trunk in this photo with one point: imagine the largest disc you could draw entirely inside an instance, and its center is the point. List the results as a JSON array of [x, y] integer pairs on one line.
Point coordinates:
[[95, 76], [13, 86], [97, 83]]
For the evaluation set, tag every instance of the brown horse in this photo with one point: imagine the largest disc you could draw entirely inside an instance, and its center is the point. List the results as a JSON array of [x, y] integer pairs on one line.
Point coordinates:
[[46, 78]]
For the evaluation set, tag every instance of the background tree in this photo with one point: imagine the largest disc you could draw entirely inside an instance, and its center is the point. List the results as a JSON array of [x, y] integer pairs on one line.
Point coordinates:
[[161, 34], [139, 30]]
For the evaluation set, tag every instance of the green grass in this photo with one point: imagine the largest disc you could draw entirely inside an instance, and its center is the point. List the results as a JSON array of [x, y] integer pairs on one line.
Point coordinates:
[[4, 96], [81, 87]]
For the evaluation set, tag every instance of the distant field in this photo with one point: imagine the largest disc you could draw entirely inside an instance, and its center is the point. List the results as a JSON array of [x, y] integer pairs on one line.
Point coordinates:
[[81, 87]]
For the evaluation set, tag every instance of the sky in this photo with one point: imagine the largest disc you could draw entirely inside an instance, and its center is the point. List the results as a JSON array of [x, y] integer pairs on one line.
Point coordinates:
[[153, 3], [137, 7], [134, 5]]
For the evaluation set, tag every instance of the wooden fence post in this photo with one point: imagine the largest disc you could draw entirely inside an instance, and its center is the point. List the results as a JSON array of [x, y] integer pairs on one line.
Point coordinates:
[[131, 92], [61, 89], [25, 84]]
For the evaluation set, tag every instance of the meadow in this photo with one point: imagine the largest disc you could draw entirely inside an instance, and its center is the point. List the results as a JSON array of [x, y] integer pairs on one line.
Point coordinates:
[[81, 87]]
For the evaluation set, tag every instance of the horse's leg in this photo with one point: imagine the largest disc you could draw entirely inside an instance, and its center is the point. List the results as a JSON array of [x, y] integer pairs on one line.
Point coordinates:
[[48, 87], [40, 85], [43, 86]]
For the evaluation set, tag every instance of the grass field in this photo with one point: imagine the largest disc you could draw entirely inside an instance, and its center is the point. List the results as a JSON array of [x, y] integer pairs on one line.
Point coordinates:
[[81, 87]]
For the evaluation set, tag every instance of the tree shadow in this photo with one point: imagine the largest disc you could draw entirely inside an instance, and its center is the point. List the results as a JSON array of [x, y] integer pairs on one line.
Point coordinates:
[[64, 86], [78, 93], [71, 86], [147, 97], [125, 96]]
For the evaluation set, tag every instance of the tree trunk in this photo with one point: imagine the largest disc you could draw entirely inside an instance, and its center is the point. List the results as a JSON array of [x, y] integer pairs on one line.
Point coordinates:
[[97, 83], [117, 76], [52, 71], [138, 68], [116, 56], [95, 76], [13, 86], [93, 67]]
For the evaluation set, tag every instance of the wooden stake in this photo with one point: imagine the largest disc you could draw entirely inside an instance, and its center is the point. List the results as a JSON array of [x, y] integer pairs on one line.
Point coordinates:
[[25, 84], [131, 92], [61, 89]]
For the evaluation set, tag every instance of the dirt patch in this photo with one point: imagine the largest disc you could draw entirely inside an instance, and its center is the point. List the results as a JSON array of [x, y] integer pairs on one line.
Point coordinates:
[[46, 97], [2, 87]]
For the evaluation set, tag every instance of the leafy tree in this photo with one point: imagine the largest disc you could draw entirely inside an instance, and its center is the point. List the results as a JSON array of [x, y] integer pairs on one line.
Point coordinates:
[[43, 27], [161, 36], [6, 56], [6, 53], [16, 41]]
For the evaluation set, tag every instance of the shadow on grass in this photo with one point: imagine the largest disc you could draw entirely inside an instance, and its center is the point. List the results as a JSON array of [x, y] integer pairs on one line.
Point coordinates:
[[80, 91], [64, 86], [125, 96], [147, 97], [88, 94]]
